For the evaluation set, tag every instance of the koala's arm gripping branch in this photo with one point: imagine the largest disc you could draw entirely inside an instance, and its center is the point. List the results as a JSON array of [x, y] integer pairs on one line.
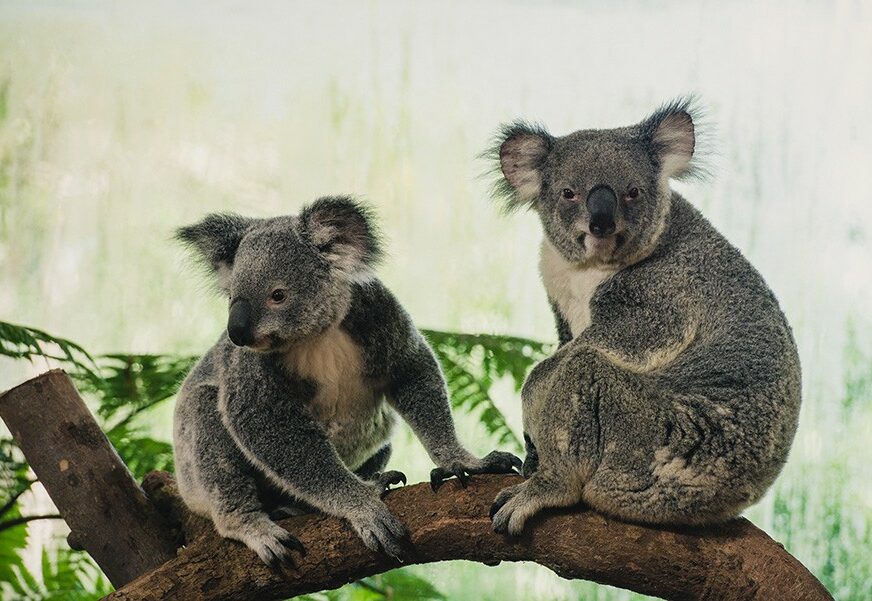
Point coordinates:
[[732, 562]]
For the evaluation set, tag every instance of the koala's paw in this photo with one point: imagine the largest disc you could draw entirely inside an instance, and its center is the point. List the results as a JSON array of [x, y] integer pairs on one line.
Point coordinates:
[[512, 508], [498, 462], [384, 480], [495, 462], [273, 544], [438, 475], [379, 530]]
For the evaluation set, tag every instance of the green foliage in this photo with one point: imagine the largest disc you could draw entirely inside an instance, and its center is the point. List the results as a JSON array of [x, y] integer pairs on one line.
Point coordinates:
[[396, 584], [474, 362], [66, 576], [22, 342], [130, 384]]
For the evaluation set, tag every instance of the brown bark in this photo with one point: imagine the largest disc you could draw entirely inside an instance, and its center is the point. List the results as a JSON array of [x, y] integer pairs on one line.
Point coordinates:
[[107, 511], [735, 561]]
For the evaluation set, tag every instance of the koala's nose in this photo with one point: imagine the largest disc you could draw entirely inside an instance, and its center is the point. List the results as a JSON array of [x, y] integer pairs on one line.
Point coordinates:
[[602, 204], [239, 323]]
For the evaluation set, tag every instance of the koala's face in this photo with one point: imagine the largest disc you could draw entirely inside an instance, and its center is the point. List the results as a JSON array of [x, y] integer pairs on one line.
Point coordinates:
[[288, 278], [602, 195]]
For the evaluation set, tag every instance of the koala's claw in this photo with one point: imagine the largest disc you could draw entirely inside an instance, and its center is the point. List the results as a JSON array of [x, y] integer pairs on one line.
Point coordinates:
[[498, 462], [384, 480], [439, 474], [511, 509], [382, 532], [275, 550], [501, 499]]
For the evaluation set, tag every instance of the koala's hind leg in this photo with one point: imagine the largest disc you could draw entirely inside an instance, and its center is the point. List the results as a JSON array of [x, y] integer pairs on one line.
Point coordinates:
[[219, 481], [561, 436], [373, 470], [375, 464]]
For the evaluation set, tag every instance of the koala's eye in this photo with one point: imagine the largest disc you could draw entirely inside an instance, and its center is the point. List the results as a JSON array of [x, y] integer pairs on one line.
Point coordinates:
[[633, 193], [278, 296], [567, 194]]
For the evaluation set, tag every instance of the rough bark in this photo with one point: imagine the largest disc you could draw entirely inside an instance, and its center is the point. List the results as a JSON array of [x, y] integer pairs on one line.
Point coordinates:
[[107, 511], [736, 561]]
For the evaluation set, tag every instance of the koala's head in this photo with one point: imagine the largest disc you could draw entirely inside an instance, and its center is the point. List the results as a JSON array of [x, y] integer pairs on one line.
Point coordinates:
[[290, 277], [603, 195]]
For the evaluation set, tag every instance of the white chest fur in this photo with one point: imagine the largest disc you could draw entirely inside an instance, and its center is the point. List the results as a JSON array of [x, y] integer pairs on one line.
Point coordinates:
[[569, 286], [333, 362]]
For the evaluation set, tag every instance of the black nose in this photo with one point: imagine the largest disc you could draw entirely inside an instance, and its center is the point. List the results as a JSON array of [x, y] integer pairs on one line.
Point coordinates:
[[239, 323], [602, 204]]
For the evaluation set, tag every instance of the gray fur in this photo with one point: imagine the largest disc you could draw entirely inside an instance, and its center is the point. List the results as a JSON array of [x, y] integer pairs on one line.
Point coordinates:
[[298, 418], [674, 396]]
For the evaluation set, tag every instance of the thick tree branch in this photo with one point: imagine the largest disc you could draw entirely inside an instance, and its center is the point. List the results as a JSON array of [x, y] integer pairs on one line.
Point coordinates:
[[105, 508], [731, 562], [130, 534]]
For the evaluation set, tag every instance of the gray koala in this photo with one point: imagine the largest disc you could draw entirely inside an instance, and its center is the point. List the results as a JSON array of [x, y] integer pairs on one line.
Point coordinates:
[[287, 411], [674, 394]]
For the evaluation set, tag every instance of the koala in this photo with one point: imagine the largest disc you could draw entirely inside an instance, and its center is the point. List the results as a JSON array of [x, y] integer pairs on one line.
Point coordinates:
[[293, 407], [674, 393]]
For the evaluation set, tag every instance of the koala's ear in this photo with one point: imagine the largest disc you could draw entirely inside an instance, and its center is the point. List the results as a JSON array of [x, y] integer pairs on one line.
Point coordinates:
[[521, 149], [345, 232], [672, 133], [215, 240]]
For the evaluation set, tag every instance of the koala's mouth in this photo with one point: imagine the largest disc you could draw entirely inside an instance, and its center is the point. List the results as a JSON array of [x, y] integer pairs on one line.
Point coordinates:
[[264, 344], [601, 245]]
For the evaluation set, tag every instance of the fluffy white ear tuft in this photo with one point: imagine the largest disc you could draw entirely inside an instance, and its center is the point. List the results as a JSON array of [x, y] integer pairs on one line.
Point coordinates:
[[344, 231], [672, 133], [521, 148], [215, 240]]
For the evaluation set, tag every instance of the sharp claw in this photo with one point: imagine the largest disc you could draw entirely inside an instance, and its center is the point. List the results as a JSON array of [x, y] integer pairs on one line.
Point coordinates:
[[291, 542], [436, 477], [461, 476], [402, 478], [516, 462]]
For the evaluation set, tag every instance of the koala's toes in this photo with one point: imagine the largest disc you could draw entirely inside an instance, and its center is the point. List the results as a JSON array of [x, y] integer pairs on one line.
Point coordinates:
[[502, 498], [291, 542], [274, 545], [440, 474], [390, 478], [508, 512], [382, 532], [500, 462]]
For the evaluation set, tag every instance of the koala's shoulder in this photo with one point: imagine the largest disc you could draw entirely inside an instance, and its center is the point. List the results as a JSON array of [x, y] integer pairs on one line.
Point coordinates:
[[377, 322]]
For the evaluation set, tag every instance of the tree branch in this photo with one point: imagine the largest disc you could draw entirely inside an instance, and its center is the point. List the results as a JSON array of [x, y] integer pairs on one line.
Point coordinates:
[[106, 510], [736, 561]]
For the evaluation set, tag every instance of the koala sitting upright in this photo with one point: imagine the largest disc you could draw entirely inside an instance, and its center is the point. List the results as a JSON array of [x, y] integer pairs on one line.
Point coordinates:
[[673, 397], [287, 409]]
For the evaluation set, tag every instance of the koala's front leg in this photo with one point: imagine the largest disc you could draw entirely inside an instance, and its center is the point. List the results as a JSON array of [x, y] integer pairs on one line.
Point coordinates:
[[278, 437], [419, 393]]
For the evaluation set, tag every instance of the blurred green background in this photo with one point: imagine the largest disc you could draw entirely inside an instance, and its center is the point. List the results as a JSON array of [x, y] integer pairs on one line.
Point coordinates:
[[122, 121]]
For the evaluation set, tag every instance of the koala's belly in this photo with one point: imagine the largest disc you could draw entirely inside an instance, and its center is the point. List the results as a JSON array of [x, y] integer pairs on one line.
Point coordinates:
[[358, 438], [347, 404]]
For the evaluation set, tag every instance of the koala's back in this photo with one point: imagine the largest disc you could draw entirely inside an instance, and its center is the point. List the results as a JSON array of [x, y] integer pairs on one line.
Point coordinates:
[[734, 379], [741, 340]]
